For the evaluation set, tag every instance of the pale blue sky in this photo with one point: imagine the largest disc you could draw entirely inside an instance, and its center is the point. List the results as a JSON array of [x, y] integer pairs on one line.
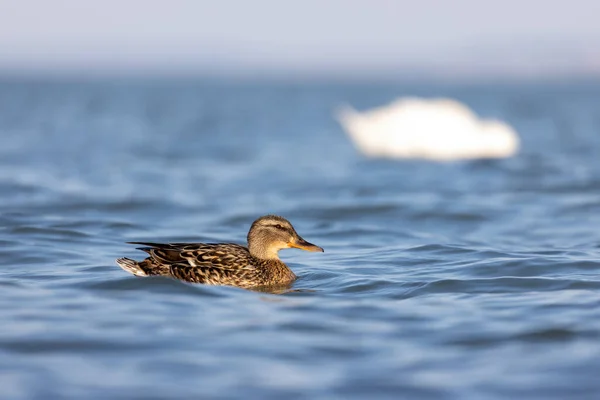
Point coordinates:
[[306, 36]]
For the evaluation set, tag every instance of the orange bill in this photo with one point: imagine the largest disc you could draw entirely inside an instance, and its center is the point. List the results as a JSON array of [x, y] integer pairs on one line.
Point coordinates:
[[300, 243]]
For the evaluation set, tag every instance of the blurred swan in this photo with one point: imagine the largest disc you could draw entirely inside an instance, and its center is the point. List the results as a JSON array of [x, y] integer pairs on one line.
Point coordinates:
[[436, 129]]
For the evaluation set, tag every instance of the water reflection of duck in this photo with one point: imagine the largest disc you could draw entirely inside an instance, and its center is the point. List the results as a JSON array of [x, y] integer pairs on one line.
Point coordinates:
[[257, 265]]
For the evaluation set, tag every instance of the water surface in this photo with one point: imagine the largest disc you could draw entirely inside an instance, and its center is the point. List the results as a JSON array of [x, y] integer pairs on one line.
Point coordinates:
[[439, 280]]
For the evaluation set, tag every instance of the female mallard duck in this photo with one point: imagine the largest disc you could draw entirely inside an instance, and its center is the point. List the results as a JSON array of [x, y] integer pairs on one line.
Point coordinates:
[[226, 263]]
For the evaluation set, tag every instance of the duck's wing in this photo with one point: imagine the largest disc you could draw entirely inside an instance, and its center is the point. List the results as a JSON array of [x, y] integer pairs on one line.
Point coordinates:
[[208, 263], [224, 256]]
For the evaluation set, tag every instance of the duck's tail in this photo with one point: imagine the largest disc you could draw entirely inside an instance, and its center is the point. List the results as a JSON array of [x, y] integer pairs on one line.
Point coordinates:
[[131, 266]]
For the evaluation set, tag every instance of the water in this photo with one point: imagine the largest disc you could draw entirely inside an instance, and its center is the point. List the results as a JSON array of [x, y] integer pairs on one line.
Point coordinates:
[[463, 280]]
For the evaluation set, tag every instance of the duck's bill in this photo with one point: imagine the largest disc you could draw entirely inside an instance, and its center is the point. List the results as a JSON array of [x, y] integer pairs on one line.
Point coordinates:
[[304, 245]]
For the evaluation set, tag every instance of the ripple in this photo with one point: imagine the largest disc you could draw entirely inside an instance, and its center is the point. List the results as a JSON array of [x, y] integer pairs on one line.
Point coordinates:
[[155, 285], [506, 285], [68, 346], [542, 335], [50, 232]]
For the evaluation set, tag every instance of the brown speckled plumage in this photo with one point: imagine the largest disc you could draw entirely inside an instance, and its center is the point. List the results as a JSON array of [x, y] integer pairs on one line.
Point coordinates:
[[257, 265]]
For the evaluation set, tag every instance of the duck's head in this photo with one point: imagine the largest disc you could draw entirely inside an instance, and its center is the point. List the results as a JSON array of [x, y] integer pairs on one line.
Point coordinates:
[[271, 233]]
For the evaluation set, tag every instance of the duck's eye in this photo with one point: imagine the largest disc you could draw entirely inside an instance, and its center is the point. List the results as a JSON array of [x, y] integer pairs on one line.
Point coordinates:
[[278, 226]]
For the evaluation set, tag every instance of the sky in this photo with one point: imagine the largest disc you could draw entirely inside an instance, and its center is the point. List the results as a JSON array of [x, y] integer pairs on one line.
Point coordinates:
[[509, 37]]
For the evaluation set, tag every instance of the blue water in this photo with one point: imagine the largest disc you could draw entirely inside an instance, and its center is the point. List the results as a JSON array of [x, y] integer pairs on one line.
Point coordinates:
[[465, 280]]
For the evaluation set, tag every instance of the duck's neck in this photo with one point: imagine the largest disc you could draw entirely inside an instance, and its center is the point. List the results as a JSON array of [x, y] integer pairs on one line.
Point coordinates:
[[263, 252]]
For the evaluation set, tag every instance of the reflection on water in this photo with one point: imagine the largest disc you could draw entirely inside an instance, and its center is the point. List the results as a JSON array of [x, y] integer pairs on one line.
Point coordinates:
[[448, 280]]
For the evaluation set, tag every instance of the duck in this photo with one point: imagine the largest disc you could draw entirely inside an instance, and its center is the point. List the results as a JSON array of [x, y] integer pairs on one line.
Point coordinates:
[[253, 266]]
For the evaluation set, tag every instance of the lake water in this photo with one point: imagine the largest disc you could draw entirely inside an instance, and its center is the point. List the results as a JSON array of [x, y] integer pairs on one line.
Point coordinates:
[[464, 280]]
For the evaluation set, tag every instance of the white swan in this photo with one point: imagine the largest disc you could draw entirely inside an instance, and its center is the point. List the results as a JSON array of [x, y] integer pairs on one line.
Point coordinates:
[[436, 129]]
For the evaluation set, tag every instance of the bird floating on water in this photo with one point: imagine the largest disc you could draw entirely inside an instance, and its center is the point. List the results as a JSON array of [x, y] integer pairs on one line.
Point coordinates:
[[433, 129], [257, 265]]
